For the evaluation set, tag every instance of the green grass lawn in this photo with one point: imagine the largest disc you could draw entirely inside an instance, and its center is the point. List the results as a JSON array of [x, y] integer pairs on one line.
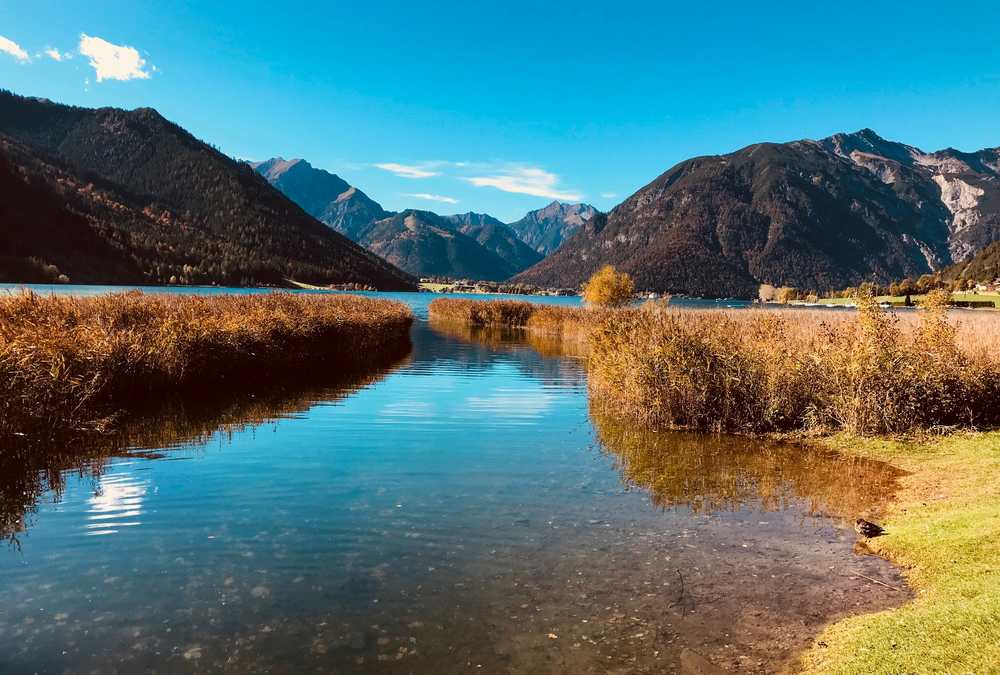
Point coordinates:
[[435, 287], [945, 533], [961, 297]]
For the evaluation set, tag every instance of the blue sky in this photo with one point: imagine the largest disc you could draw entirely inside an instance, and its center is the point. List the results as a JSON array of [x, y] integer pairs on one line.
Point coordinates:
[[502, 106]]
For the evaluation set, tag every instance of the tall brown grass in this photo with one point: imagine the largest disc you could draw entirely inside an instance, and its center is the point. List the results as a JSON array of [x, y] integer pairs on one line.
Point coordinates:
[[569, 325], [864, 372], [72, 363]]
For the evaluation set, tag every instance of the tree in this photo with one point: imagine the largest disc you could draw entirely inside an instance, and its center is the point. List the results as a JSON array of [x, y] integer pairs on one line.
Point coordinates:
[[787, 294], [608, 288], [766, 292]]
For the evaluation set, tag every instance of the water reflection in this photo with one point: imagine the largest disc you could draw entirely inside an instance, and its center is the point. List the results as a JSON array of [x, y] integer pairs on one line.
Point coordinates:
[[31, 471], [461, 511], [116, 502], [708, 473]]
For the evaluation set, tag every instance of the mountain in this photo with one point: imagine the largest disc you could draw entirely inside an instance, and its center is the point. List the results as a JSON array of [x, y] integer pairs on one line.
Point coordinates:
[[545, 229], [811, 214], [982, 267], [426, 247], [43, 230], [959, 189], [471, 219], [163, 203], [324, 195], [496, 237], [426, 244]]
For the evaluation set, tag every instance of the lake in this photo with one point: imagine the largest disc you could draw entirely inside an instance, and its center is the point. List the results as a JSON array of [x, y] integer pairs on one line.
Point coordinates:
[[463, 509]]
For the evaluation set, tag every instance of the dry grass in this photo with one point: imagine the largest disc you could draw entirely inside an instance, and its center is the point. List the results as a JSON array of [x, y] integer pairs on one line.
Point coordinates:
[[71, 363], [865, 372], [570, 325]]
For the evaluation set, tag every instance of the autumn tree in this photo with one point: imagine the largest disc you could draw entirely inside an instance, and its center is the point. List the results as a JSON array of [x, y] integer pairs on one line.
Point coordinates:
[[608, 288]]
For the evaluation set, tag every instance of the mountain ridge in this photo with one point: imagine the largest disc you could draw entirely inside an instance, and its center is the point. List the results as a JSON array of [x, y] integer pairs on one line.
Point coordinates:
[[812, 214], [546, 228], [351, 212], [209, 217]]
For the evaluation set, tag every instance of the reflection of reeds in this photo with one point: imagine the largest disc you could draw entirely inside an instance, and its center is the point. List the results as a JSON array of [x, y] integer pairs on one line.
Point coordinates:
[[504, 338], [710, 473], [29, 468], [865, 372], [569, 326], [68, 363]]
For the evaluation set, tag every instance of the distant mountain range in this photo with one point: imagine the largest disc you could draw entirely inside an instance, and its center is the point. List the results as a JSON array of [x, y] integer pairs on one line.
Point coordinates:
[[498, 238], [467, 245], [110, 195], [545, 229], [812, 214]]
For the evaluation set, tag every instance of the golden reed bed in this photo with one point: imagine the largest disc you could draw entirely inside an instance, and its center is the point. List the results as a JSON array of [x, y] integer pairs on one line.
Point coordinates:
[[864, 372], [72, 363]]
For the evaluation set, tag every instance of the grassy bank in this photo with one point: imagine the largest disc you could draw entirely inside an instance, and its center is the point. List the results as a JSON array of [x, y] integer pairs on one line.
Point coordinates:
[[70, 364], [944, 531], [917, 299], [762, 371]]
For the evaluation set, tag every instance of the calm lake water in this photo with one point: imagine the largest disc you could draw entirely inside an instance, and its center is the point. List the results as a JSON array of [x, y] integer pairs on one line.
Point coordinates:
[[463, 510]]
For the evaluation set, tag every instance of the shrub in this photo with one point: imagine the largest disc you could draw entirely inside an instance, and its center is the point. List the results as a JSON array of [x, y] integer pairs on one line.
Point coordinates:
[[608, 288]]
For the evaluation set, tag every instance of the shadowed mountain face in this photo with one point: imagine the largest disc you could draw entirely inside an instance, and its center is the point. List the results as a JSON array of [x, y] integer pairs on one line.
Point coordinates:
[[325, 196], [169, 204], [52, 225], [488, 250], [815, 215], [425, 244], [496, 237], [545, 230]]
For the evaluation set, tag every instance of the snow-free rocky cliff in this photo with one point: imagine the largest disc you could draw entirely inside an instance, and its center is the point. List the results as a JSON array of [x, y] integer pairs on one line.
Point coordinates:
[[812, 214]]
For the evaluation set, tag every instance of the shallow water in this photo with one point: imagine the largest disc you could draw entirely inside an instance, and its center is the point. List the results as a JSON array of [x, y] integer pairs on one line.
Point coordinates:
[[462, 510]]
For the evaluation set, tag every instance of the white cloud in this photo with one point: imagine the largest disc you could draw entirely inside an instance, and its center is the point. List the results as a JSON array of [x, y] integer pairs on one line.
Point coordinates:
[[526, 180], [430, 197], [609, 195], [57, 55], [407, 171], [10, 47], [111, 61]]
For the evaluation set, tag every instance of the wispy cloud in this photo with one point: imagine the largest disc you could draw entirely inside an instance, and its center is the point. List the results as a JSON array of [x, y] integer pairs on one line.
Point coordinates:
[[111, 61], [526, 180], [609, 195], [407, 171], [57, 55], [431, 198], [8, 46]]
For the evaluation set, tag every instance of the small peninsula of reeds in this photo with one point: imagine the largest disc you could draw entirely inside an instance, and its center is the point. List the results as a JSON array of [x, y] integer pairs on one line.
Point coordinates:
[[71, 363], [758, 371]]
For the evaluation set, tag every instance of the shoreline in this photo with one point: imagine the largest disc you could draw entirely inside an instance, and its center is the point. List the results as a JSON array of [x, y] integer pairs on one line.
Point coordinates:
[[943, 529], [72, 365]]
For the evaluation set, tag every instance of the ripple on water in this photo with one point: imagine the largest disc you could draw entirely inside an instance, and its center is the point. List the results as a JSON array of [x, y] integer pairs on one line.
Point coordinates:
[[466, 509]]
